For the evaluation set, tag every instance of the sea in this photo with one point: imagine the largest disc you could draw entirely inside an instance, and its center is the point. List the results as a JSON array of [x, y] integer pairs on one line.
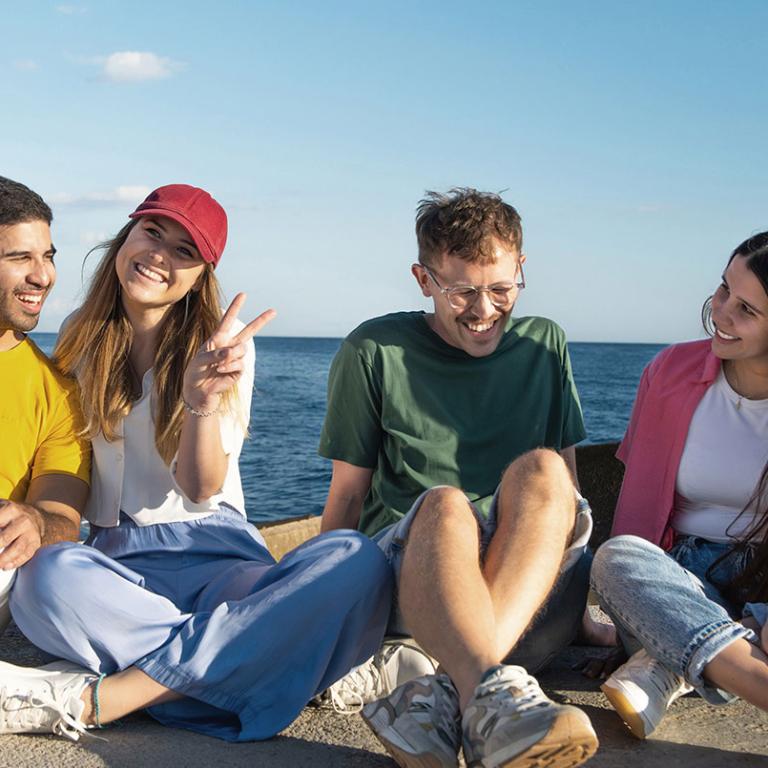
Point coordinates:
[[284, 477]]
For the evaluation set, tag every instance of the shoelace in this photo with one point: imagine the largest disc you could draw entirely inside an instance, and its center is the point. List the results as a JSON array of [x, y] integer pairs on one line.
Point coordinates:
[[31, 713], [529, 695], [363, 678], [662, 679]]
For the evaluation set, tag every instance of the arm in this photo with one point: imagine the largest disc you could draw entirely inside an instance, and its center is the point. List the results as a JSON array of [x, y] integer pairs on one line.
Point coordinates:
[[201, 464], [569, 457], [50, 513], [349, 487]]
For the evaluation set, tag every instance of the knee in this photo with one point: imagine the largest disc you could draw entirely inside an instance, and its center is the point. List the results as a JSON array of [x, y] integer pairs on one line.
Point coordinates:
[[615, 560], [539, 463], [362, 562], [43, 580], [445, 507]]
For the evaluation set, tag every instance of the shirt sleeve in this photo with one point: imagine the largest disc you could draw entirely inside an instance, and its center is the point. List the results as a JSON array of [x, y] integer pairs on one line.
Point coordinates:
[[62, 449], [622, 454], [573, 430], [352, 430]]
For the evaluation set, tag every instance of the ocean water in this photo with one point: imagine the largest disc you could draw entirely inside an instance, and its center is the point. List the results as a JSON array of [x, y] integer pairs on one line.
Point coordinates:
[[284, 477]]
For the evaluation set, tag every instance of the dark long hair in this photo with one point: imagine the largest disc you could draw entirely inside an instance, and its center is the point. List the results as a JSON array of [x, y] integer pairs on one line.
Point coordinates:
[[751, 585]]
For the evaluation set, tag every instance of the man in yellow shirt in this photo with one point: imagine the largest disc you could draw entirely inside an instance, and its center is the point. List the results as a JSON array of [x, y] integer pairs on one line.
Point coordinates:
[[44, 464]]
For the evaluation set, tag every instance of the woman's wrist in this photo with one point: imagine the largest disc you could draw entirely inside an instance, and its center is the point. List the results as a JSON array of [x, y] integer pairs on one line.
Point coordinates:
[[207, 406]]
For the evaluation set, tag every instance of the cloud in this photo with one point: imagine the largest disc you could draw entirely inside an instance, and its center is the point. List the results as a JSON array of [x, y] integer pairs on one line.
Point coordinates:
[[136, 66], [25, 65], [126, 194], [91, 238], [71, 10]]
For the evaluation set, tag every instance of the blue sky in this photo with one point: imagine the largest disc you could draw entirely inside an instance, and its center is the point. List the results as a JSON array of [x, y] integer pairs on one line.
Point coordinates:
[[631, 138]]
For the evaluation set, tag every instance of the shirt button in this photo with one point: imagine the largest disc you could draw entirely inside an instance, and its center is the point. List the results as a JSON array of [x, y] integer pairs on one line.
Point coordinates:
[[119, 457]]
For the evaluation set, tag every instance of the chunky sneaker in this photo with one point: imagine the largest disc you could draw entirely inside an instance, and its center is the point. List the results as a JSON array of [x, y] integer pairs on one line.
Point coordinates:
[[43, 699], [510, 722], [419, 723], [641, 691], [395, 663]]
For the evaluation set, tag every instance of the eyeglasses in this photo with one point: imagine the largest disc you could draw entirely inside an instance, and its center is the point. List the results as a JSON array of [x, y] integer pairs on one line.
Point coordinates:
[[463, 296]]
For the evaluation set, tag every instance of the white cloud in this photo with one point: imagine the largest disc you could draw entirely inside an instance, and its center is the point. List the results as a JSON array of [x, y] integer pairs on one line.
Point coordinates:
[[135, 66], [70, 10], [126, 194], [91, 238], [25, 65]]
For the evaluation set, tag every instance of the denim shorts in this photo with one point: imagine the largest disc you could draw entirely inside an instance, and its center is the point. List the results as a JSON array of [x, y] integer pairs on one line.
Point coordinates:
[[557, 622]]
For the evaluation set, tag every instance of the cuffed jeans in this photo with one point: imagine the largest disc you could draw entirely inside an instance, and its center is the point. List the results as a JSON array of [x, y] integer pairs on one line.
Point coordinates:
[[679, 617]]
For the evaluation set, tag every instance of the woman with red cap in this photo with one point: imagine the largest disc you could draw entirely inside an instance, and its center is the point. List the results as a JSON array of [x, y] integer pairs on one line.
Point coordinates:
[[176, 605]]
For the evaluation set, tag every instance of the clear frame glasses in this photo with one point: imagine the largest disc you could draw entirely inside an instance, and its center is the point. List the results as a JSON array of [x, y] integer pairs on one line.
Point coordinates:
[[501, 295]]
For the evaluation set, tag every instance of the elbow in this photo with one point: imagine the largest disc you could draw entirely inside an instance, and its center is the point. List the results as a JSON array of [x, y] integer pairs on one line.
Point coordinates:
[[198, 493]]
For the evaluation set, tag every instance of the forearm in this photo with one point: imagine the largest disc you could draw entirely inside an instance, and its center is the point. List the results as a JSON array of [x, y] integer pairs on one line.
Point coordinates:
[[55, 527], [201, 464], [341, 511]]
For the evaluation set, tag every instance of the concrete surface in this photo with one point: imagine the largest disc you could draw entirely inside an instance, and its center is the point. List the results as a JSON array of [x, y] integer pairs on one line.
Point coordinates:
[[693, 734]]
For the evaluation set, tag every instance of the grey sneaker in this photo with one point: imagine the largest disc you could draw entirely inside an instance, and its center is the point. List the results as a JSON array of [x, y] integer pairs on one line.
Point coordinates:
[[510, 722], [641, 691], [395, 663], [43, 699], [419, 723]]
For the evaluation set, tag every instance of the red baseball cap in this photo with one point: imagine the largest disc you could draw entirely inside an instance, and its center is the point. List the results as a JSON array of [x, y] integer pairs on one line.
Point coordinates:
[[203, 218]]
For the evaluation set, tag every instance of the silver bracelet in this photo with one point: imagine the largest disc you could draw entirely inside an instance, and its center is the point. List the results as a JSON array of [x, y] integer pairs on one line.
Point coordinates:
[[195, 412]]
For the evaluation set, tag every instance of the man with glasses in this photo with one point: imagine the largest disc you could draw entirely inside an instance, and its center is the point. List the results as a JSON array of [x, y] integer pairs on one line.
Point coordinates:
[[452, 437]]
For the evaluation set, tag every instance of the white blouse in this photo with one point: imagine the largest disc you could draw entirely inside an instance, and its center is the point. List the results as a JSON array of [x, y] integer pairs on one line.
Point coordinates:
[[129, 474]]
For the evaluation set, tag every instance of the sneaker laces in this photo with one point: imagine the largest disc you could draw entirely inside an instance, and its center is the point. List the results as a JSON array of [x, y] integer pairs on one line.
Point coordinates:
[[528, 693], [346, 696], [663, 679], [32, 713]]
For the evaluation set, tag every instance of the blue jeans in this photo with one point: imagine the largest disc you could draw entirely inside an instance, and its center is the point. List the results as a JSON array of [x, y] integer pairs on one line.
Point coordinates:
[[558, 621], [668, 605]]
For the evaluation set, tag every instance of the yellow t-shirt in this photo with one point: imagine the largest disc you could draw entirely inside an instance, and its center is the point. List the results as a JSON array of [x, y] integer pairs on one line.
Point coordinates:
[[40, 417]]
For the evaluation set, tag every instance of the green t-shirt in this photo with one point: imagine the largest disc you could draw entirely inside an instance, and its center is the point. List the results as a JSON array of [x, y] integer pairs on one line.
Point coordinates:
[[421, 413]]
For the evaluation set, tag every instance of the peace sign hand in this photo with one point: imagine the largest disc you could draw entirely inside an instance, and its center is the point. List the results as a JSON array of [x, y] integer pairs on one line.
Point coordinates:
[[219, 362]]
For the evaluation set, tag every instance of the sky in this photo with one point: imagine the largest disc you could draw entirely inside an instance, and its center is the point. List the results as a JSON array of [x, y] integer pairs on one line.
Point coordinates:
[[631, 137]]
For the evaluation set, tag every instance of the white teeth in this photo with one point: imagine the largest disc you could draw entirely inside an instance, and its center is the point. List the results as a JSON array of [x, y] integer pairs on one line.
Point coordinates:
[[725, 335], [149, 273], [480, 327], [30, 298]]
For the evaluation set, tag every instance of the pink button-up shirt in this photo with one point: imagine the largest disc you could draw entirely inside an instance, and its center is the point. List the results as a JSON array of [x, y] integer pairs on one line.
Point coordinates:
[[671, 388]]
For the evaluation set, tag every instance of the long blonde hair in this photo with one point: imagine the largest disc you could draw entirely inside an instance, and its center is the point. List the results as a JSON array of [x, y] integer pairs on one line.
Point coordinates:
[[95, 344]]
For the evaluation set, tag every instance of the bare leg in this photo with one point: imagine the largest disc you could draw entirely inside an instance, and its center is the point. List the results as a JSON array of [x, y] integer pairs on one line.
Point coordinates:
[[741, 668], [123, 693], [443, 595], [470, 617], [536, 513]]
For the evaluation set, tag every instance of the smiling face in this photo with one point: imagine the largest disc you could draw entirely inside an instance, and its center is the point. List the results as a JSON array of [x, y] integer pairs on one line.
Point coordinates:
[[477, 329], [157, 265], [27, 274], [740, 315]]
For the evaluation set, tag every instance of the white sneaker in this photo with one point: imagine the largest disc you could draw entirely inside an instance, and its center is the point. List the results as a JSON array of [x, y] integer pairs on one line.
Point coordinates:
[[641, 691], [395, 663], [43, 699], [510, 723]]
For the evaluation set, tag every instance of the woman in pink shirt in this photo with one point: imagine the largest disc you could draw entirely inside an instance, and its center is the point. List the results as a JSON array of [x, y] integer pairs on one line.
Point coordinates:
[[696, 485]]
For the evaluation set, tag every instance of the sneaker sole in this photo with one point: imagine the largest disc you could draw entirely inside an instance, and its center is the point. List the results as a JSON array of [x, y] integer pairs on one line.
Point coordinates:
[[570, 742], [388, 738], [625, 710]]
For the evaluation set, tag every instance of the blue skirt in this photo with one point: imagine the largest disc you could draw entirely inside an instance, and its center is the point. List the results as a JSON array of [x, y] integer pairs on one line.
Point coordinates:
[[202, 608]]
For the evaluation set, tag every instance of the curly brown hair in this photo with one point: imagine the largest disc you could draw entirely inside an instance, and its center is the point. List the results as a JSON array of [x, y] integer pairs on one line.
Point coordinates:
[[465, 223]]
